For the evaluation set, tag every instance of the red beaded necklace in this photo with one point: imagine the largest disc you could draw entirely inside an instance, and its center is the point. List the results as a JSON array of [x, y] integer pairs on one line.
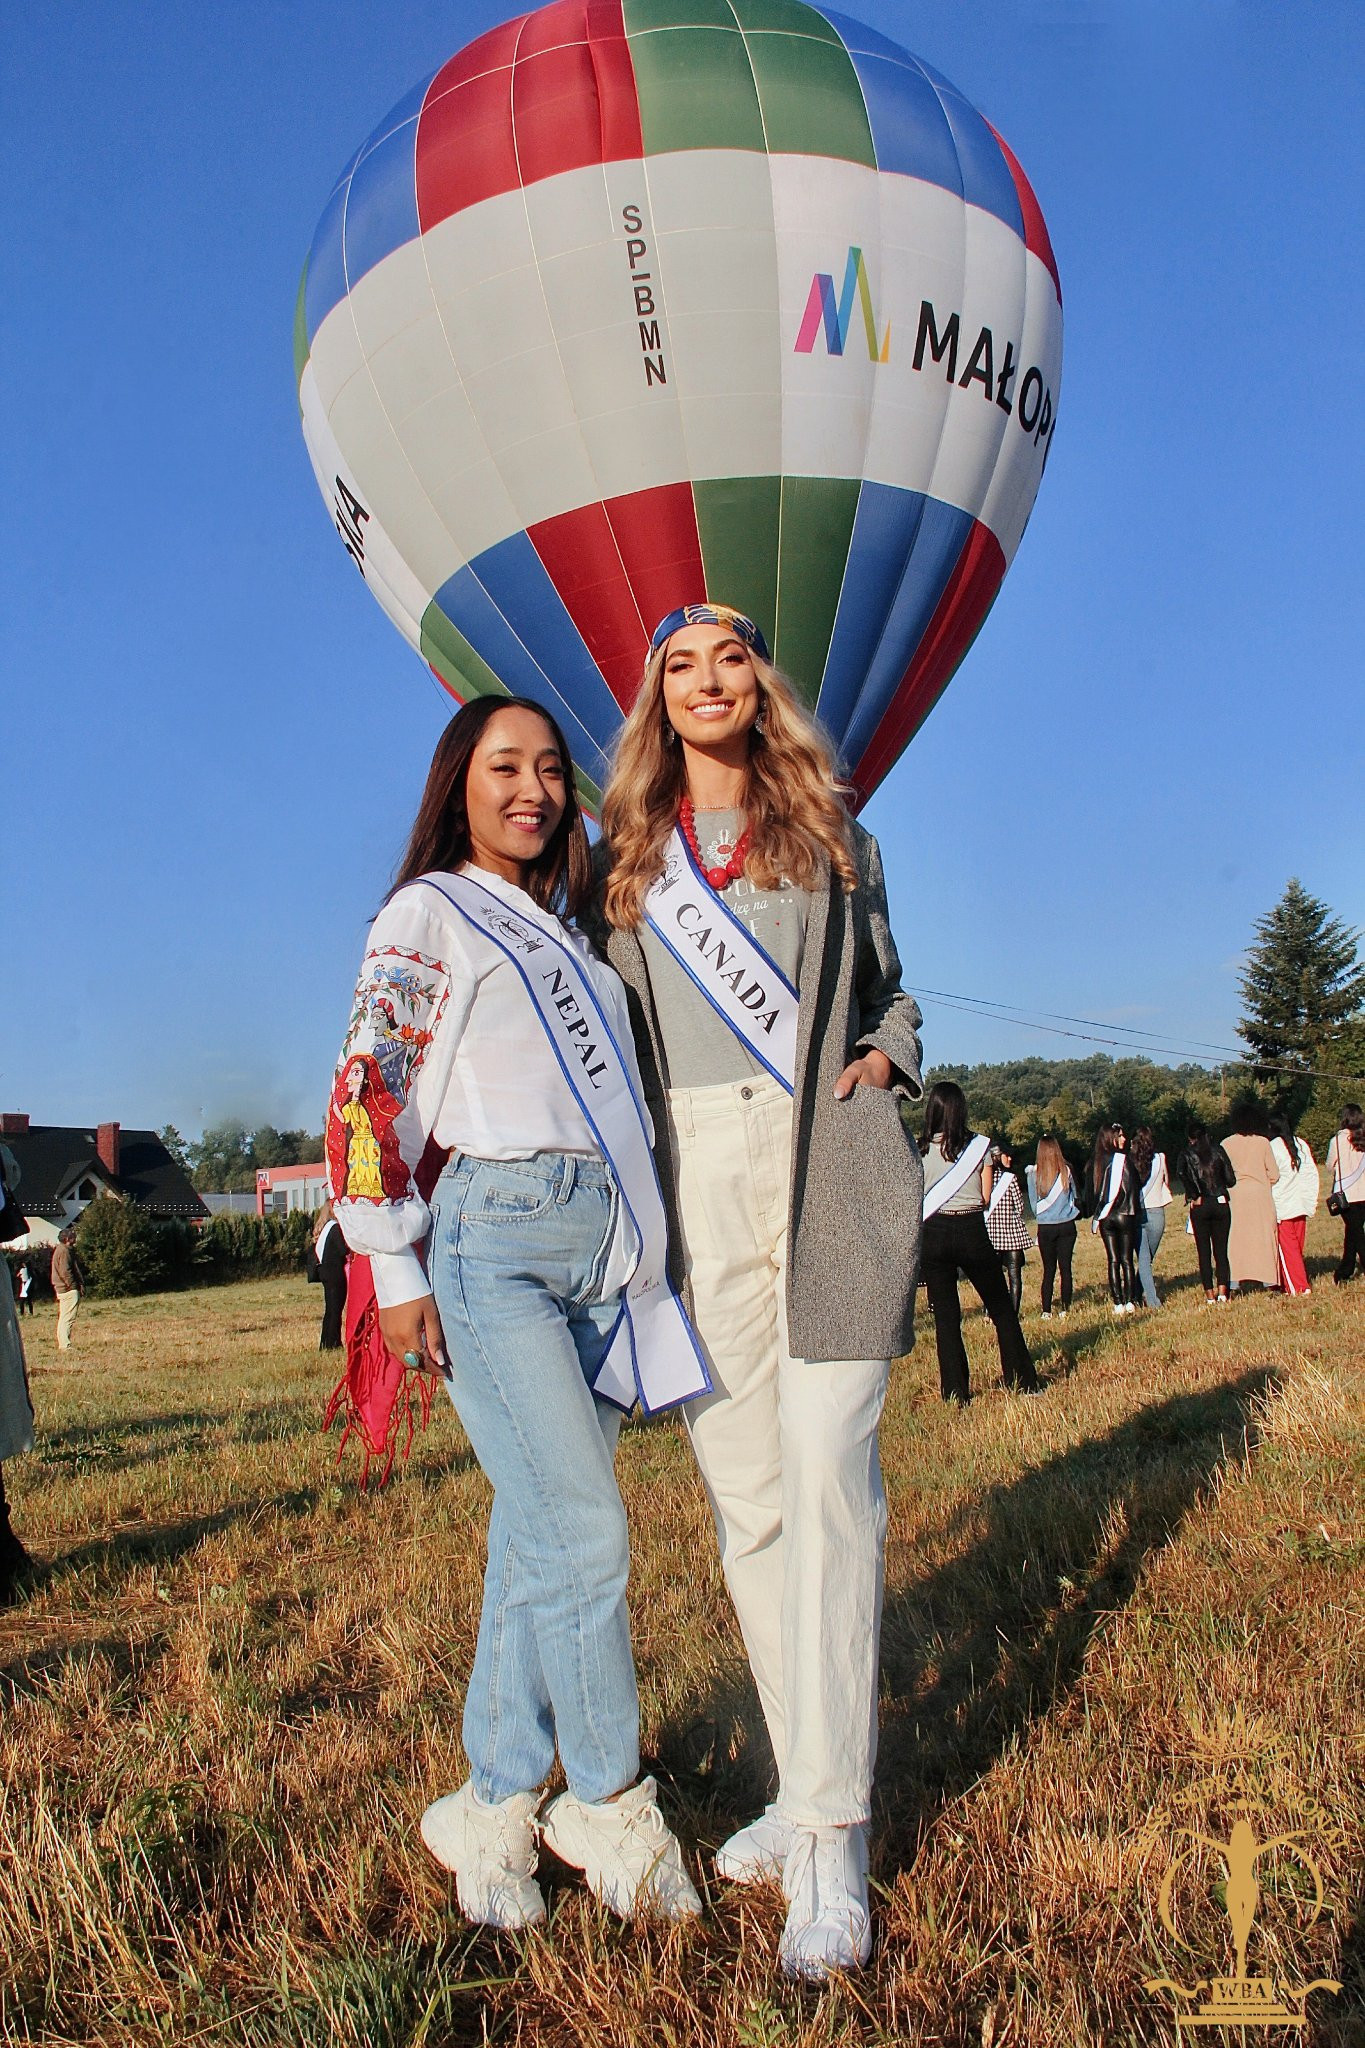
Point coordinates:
[[719, 878]]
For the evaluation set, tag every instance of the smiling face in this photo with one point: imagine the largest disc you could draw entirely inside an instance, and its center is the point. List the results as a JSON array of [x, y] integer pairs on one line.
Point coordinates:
[[515, 793], [711, 691]]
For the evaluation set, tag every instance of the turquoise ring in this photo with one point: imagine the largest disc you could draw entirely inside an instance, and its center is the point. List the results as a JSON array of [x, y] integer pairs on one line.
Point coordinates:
[[411, 1358]]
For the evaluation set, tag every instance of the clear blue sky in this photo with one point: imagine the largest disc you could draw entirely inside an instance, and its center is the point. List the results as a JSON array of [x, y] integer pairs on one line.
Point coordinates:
[[211, 741]]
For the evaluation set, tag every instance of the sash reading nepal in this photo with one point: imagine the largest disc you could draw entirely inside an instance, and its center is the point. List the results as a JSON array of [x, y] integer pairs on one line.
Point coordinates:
[[957, 1176], [716, 951], [652, 1355]]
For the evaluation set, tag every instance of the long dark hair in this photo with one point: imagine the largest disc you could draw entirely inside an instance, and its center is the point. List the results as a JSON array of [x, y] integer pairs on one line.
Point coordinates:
[[1247, 1118], [1142, 1151], [560, 879], [1105, 1148], [1281, 1128], [945, 1118], [1203, 1154], [1353, 1123]]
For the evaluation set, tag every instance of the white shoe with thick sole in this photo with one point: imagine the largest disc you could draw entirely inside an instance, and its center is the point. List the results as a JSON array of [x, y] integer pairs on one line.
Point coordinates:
[[492, 1851], [626, 1851], [828, 1926], [755, 1854]]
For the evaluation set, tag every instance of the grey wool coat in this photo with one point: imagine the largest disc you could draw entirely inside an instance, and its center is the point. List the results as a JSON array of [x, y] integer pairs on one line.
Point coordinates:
[[857, 1186]]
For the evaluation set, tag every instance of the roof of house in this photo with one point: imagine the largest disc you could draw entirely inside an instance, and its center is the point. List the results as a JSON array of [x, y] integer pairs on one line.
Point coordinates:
[[55, 1158]]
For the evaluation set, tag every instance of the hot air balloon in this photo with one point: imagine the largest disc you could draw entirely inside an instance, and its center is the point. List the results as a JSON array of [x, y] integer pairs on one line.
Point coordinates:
[[636, 301]]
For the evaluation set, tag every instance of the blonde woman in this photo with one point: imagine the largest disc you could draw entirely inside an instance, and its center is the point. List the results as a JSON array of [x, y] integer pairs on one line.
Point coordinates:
[[746, 913]]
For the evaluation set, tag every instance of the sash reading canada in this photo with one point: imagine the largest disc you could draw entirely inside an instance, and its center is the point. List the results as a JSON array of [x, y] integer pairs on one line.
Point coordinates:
[[726, 962], [652, 1354]]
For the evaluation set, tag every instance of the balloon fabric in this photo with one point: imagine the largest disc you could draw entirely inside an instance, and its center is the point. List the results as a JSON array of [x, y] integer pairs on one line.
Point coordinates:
[[637, 303]]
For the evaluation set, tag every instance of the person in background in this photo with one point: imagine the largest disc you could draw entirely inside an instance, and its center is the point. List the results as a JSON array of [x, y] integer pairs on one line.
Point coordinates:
[[1150, 1167], [1253, 1252], [329, 1249], [957, 1186], [23, 1287], [68, 1284], [1116, 1196], [1052, 1198], [1346, 1164], [1208, 1177], [1006, 1226], [1295, 1195], [16, 1410]]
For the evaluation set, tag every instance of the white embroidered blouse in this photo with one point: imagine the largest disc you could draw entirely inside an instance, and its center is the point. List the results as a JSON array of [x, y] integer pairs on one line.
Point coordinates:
[[444, 1043]]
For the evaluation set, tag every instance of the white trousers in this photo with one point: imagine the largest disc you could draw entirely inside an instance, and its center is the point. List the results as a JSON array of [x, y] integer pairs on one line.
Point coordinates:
[[788, 1451]]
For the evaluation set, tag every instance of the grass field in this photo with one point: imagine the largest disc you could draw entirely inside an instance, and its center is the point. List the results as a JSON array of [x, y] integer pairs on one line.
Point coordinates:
[[238, 1681]]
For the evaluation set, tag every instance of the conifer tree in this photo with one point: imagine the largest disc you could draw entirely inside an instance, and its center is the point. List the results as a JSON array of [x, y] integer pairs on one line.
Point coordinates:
[[1303, 987]]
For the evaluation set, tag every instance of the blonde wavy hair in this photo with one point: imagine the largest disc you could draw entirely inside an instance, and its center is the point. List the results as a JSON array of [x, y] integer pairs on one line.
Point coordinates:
[[793, 801]]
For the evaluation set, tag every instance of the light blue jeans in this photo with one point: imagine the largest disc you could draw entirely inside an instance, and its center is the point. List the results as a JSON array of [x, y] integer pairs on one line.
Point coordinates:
[[517, 1253], [1150, 1236]]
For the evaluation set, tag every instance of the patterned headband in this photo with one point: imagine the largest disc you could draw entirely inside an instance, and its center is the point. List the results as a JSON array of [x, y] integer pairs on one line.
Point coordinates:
[[709, 615]]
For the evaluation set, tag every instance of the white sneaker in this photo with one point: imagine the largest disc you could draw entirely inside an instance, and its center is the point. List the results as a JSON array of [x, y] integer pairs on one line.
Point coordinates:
[[1047, 1315], [756, 1853], [626, 1851], [825, 1879], [491, 1848]]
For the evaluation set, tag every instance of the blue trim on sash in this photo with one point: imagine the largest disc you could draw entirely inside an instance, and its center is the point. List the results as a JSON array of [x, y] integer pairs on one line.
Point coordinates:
[[700, 985], [602, 1148]]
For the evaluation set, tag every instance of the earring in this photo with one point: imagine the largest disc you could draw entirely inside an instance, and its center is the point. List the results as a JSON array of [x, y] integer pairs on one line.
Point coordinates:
[[670, 736], [761, 725]]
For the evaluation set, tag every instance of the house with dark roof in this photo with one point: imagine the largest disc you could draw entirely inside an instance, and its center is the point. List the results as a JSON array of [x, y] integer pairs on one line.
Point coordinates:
[[65, 1167]]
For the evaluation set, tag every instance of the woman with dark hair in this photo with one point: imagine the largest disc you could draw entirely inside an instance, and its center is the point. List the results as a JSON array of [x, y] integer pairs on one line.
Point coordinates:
[[1253, 1250], [533, 1283], [1116, 1200], [1346, 1164], [957, 1187], [1150, 1167], [329, 1254], [1296, 1198], [1052, 1197], [1208, 1177], [1005, 1223], [746, 913]]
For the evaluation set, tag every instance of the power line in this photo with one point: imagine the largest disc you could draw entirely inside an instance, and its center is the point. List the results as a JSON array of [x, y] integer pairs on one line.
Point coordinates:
[[1012, 1013]]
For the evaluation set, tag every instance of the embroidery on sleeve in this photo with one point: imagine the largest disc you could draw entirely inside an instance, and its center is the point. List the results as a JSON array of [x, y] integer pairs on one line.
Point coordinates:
[[363, 1159], [399, 1003]]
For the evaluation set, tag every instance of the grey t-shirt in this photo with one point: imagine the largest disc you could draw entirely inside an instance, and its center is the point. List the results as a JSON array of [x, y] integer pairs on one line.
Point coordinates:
[[699, 1047], [969, 1198]]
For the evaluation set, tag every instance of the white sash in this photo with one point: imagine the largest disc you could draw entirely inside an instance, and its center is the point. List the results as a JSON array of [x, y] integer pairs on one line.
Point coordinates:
[[1112, 1186], [1343, 1185], [1053, 1199], [997, 1191], [652, 1354], [957, 1176], [714, 949]]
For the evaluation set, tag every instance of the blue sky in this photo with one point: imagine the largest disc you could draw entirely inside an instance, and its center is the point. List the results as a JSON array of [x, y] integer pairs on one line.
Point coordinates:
[[211, 741]]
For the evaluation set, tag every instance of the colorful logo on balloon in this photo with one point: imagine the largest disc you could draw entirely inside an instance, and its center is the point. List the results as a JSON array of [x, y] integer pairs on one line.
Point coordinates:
[[835, 316]]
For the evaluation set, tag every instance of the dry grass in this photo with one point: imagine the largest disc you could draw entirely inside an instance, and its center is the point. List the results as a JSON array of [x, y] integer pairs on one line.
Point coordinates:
[[238, 1681]]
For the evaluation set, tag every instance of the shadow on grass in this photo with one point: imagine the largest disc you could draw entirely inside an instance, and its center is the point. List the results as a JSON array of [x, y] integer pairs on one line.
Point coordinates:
[[43, 1670], [111, 1557], [997, 1638], [976, 1652], [119, 1445]]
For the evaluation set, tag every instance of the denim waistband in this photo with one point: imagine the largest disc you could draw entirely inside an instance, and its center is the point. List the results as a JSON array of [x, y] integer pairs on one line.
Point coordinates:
[[568, 1169]]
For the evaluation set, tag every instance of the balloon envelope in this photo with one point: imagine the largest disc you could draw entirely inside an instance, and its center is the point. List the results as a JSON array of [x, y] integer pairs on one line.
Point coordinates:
[[640, 301]]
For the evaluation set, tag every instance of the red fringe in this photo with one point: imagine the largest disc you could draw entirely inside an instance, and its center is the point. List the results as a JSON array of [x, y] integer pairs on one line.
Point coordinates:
[[384, 1400]]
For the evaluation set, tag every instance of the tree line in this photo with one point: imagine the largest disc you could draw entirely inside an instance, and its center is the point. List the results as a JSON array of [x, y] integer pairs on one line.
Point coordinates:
[[225, 1160], [1303, 1026]]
